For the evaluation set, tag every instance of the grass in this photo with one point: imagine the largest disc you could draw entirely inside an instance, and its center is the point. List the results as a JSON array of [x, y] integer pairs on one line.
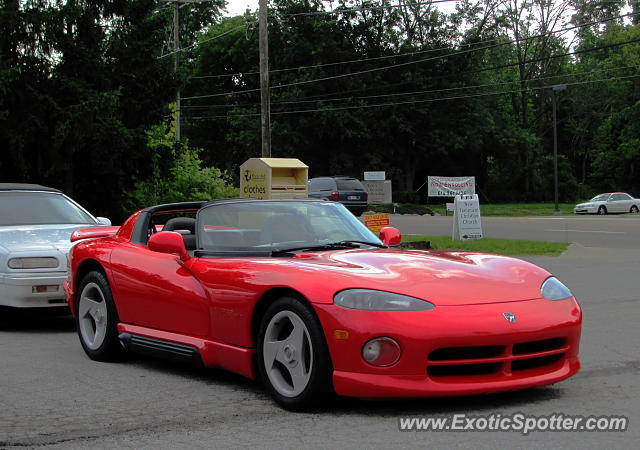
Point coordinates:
[[487, 210], [492, 245], [515, 209]]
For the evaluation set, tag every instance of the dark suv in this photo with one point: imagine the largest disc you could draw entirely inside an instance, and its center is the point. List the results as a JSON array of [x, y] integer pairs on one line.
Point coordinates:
[[346, 190]]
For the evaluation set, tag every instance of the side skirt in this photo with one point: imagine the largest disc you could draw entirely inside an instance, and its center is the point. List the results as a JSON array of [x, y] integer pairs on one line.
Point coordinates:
[[160, 348], [188, 348]]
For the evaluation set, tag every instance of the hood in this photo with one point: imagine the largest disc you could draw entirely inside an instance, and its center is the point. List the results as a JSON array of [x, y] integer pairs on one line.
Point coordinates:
[[443, 278], [36, 237]]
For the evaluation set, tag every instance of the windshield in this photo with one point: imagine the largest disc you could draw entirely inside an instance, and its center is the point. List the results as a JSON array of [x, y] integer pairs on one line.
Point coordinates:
[[600, 198], [277, 225], [39, 208]]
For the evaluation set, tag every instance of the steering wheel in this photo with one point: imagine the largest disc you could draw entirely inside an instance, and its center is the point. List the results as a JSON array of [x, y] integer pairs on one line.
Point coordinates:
[[333, 235]]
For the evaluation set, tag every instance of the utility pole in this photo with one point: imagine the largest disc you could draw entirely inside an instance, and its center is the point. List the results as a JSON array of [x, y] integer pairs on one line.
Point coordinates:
[[176, 49], [557, 87], [176, 53], [265, 108]]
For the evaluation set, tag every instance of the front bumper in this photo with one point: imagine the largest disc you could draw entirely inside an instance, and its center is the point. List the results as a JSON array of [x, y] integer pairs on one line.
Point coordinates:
[[17, 290], [456, 350], [585, 210]]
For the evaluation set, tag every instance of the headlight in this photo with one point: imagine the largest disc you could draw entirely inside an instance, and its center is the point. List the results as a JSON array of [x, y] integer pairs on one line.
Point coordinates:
[[553, 289], [370, 300], [33, 263]]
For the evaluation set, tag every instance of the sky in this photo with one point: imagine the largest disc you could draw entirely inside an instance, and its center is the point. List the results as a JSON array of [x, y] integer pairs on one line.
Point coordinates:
[[236, 7]]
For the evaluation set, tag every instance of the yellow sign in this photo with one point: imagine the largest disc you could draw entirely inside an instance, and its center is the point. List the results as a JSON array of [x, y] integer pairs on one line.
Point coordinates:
[[254, 183], [376, 222]]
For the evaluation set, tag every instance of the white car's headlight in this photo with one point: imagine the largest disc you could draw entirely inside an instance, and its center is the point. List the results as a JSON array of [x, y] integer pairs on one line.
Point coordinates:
[[371, 300], [33, 263], [553, 289]]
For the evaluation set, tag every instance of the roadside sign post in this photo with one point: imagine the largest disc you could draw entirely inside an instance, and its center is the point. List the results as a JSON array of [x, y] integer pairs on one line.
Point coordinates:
[[466, 218]]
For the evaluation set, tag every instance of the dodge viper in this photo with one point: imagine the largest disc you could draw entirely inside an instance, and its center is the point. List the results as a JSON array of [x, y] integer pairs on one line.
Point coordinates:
[[300, 294]]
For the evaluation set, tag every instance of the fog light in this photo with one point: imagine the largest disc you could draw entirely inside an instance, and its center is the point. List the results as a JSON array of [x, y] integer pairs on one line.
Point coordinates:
[[382, 352], [44, 288]]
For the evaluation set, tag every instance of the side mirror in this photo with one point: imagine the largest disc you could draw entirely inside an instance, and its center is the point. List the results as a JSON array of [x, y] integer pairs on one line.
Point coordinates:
[[390, 236], [168, 242], [103, 221]]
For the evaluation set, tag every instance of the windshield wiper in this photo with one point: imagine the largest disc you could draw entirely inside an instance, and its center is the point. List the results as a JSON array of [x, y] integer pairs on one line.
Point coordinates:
[[373, 244], [329, 246]]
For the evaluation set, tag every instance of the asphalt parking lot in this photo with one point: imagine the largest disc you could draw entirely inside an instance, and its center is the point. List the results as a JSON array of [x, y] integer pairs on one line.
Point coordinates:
[[52, 396]]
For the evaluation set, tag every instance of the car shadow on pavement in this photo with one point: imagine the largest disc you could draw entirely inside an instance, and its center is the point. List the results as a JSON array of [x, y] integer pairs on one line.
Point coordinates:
[[447, 405], [348, 406], [41, 320]]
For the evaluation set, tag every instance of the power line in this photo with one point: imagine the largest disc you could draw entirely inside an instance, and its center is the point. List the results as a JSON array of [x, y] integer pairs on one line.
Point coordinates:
[[399, 94], [183, 49], [576, 52], [381, 105], [377, 58]]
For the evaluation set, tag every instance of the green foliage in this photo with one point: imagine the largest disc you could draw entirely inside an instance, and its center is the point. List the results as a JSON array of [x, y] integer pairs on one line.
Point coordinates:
[[183, 179], [409, 90], [401, 208], [406, 197]]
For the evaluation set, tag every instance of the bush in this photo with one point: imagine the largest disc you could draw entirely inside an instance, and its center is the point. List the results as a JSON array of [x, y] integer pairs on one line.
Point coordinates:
[[406, 197], [402, 208], [184, 180]]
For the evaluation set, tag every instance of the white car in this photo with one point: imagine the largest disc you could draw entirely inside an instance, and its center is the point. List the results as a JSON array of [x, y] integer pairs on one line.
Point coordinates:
[[611, 202], [36, 223]]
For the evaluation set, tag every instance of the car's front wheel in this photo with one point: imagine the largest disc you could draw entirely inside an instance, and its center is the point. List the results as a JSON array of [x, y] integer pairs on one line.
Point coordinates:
[[293, 358], [602, 210], [97, 318], [634, 209]]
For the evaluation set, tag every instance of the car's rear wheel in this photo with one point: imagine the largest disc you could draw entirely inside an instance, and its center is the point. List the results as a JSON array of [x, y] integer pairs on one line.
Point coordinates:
[[602, 210], [293, 358], [97, 318], [634, 209]]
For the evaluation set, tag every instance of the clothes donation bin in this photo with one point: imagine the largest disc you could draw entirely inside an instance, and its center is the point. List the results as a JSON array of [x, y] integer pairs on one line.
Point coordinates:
[[273, 178]]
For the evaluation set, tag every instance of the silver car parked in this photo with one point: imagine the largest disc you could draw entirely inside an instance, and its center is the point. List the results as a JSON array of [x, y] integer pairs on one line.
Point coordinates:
[[36, 223], [609, 203]]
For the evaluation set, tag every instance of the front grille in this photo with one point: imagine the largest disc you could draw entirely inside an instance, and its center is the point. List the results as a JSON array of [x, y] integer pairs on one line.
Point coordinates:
[[533, 363], [496, 360], [458, 370], [538, 346], [453, 353]]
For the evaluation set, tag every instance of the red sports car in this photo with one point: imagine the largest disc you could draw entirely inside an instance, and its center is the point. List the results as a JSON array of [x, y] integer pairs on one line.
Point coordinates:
[[302, 295]]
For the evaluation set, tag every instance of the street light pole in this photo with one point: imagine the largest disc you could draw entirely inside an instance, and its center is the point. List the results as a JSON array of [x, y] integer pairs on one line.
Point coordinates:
[[557, 87]]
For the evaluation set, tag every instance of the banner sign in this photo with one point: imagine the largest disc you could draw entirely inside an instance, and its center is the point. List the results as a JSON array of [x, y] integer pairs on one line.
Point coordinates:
[[451, 186], [376, 222], [466, 218]]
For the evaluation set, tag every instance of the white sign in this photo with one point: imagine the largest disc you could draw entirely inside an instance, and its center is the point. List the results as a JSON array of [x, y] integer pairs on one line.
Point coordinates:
[[451, 186], [450, 207], [379, 191], [466, 218], [375, 176]]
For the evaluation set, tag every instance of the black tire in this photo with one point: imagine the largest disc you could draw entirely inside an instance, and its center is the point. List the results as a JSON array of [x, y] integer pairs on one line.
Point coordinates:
[[7, 317], [311, 358], [633, 209], [602, 210], [97, 318]]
